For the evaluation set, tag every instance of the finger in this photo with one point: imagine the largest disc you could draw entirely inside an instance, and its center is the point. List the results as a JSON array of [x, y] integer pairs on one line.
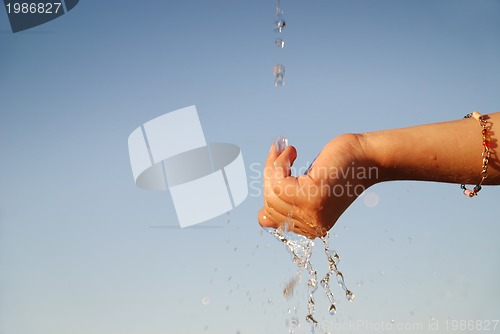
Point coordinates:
[[283, 163], [272, 155], [289, 153], [265, 220], [294, 190], [270, 216]]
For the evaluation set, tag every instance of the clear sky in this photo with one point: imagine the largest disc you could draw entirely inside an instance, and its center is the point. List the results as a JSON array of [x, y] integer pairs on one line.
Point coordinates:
[[83, 250]]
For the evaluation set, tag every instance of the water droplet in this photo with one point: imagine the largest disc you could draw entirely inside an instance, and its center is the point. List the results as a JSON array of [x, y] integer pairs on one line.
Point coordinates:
[[288, 225], [359, 283], [279, 25], [349, 295], [332, 309], [235, 249], [279, 43], [205, 301], [336, 257], [340, 278], [392, 321], [310, 319], [290, 286], [279, 11], [279, 75], [312, 282]]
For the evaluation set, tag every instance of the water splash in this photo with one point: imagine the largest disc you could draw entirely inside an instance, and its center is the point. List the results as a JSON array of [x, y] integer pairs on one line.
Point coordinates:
[[333, 259], [301, 249]]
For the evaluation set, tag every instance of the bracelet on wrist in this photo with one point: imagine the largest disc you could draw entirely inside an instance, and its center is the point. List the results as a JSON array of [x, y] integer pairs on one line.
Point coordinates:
[[486, 127]]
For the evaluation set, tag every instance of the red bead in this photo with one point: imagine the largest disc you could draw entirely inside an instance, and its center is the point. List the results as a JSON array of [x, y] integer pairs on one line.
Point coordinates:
[[487, 143]]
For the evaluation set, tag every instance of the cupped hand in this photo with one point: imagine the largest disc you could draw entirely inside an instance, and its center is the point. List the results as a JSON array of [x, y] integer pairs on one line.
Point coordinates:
[[311, 204]]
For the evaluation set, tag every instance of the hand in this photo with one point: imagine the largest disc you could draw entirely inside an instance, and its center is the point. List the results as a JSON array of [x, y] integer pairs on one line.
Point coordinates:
[[311, 204]]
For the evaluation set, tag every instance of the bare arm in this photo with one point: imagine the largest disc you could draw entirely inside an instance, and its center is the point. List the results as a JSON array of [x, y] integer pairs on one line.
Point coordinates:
[[442, 152]]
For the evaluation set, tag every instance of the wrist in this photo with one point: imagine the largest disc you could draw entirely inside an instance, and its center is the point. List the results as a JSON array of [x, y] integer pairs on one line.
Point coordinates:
[[354, 161], [373, 158]]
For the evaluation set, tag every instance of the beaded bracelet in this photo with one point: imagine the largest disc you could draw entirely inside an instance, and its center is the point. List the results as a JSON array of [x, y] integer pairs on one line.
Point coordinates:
[[486, 154]]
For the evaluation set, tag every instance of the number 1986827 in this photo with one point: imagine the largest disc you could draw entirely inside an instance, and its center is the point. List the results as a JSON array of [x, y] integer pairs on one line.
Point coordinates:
[[33, 8]]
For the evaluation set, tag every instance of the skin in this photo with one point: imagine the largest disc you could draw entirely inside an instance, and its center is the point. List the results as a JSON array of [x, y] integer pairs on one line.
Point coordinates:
[[311, 204]]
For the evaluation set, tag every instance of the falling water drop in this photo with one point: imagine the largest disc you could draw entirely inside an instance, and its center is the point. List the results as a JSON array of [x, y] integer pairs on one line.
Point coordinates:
[[350, 295], [279, 75], [281, 143], [279, 10], [279, 43], [279, 25]]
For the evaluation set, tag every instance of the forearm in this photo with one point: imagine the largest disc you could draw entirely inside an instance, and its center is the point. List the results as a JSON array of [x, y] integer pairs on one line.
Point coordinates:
[[442, 152]]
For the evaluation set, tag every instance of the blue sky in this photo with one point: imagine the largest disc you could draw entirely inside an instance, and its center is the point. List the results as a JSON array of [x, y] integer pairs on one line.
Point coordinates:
[[83, 250]]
